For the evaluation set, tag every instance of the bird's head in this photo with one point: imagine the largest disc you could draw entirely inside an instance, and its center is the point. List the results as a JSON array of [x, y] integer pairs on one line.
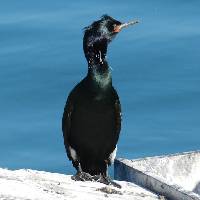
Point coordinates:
[[99, 34]]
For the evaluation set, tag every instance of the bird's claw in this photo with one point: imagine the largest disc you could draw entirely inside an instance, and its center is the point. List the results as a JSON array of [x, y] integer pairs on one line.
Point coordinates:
[[82, 176], [106, 180], [98, 178]]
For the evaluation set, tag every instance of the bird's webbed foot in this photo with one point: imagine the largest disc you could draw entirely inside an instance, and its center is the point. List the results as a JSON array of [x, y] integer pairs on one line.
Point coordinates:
[[82, 176], [106, 180]]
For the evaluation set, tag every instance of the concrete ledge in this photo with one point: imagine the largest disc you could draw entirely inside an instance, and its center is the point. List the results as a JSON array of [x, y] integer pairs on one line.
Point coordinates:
[[37, 185], [175, 176]]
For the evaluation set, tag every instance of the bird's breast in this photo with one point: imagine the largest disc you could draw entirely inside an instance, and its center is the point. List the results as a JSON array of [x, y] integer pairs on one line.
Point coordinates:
[[93, 125]]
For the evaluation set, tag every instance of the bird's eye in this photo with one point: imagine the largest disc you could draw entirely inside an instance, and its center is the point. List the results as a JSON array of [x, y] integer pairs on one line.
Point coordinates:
[[114, 26], [110, 27]]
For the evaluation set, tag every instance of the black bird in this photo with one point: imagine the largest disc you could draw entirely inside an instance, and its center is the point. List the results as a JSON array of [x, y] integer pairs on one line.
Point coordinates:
[[91, 120]]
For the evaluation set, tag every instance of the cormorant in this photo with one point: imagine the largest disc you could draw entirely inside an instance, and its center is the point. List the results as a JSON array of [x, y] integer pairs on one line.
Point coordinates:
[[91, 120]]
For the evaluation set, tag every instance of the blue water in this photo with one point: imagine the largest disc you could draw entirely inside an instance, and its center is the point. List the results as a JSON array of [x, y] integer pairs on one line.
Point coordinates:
[[156, 71]]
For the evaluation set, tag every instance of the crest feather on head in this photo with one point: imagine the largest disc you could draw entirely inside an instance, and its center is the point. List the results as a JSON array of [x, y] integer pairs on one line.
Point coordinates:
[[96, 23]]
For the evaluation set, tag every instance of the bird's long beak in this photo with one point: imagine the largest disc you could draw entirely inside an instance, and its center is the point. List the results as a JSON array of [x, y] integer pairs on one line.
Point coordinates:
[[124, 25]]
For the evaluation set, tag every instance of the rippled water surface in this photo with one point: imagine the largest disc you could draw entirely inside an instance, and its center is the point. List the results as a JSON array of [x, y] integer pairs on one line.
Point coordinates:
[[156, 71]]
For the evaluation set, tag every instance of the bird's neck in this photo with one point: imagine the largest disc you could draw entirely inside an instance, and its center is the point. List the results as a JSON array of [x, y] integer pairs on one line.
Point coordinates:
[[99, 73]]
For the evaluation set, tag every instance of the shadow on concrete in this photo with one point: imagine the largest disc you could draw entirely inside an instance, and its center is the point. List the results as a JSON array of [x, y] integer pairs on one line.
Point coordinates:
[[197, 188]]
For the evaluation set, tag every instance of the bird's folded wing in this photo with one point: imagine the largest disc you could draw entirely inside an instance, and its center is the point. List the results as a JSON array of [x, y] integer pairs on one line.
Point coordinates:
[[118, 117], [66, 124]]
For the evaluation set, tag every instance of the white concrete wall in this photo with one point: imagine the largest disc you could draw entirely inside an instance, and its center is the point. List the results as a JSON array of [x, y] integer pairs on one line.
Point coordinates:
[[176, 176]]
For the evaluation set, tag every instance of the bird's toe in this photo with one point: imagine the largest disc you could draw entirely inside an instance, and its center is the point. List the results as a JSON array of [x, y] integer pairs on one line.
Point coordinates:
[[82, 176], [98, 178], [108, 181]]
